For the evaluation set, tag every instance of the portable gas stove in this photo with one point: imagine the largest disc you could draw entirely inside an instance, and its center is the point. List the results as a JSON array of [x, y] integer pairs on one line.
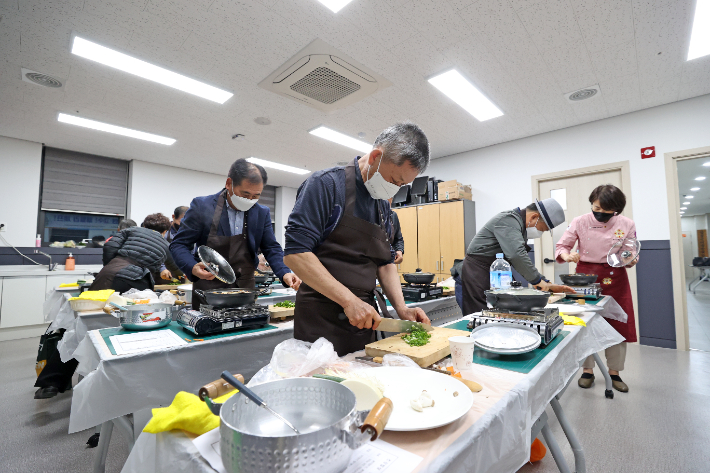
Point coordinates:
[[590, 292], [209, 320], [421, 292], [547, 322]]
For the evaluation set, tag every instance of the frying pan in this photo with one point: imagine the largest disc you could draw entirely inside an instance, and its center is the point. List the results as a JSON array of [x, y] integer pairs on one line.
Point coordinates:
[[418, 277], [578, 279], [229, 297]]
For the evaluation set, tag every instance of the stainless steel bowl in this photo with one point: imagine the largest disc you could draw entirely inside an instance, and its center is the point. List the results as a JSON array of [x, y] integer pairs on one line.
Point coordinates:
[[254, 441], [145, 316]]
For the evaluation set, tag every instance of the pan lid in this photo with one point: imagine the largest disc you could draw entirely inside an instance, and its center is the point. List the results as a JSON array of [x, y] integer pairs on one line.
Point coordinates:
[[623, 252], [216, 264]]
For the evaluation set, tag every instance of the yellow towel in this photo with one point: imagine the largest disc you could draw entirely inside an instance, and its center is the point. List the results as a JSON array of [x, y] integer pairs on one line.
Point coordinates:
[[187, 412], [572, 320], [71, 284], [94, 295]]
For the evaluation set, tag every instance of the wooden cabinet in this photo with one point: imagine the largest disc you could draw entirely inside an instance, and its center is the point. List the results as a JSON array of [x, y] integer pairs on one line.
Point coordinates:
[[22, 301], [435, 235]]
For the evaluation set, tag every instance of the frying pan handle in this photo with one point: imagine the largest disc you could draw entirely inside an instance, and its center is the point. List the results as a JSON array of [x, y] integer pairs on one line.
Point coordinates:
[[378, 417], [217, 388], [227, 376], [263, 292], [200, 294]]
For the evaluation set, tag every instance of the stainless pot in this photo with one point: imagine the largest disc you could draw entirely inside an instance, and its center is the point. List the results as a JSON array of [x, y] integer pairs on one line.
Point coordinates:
[[143, 316], [254, 441]]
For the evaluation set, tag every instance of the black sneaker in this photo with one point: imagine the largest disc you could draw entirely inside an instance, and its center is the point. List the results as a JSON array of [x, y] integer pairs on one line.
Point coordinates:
[[46, 393]]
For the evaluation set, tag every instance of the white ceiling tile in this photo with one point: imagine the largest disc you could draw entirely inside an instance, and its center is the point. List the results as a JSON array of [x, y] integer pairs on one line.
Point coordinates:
[[641, 6], [590, 109], [380, 21], [558, 113], [10, 5], [157, 29], [101, 30], [121, 11], [572, 84], [696, 78], [616, 61], [551, 24], [569, 61], [604, 23], [621, 94], [44, 9], [461, 4], [436, 20], [664, 29]]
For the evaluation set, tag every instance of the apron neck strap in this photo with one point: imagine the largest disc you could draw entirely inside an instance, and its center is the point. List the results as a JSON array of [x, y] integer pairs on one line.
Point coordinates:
[[218, 212], [350, 188]]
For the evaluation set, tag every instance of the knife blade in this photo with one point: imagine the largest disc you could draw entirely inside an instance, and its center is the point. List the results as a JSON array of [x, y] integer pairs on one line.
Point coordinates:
[[399, 326]]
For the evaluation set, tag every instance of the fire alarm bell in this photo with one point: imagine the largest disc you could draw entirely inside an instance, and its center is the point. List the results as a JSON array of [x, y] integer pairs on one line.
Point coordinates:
[[649, 152]]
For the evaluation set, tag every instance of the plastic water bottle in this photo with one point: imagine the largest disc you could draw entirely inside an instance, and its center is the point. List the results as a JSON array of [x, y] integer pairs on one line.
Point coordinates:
[[501, 275]]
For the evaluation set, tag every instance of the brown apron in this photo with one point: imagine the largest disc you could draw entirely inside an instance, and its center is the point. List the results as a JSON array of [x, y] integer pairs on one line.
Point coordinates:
[[234, 249], [351, 253], [104, 280], [476, 278]]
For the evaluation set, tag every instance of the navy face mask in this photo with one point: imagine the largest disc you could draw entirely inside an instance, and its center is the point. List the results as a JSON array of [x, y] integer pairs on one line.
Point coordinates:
[[602, 216]]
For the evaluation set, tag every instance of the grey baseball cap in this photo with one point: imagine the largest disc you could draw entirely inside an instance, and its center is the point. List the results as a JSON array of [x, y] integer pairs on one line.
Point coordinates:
[[551, 212]]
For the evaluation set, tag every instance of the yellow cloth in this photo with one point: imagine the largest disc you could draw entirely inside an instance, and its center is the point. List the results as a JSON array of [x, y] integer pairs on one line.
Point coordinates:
[[187, 412], [71, 284], [572, 320], [94, 295]]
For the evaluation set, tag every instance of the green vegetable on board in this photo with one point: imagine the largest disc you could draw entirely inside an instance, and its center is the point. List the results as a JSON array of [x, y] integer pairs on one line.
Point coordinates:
[[286, 304], [416, 337]]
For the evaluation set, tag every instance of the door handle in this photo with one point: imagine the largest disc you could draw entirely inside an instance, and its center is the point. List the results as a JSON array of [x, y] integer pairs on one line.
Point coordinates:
[[548, 261]]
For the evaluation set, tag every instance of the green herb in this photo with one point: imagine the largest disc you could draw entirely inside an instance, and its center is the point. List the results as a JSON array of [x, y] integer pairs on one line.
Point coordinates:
[[286, 304], [416, 337]]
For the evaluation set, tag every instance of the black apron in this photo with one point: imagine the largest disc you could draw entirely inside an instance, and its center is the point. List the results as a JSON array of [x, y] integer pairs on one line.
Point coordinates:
[[476, 278], [234, 249], [105, 278], [351, 253]]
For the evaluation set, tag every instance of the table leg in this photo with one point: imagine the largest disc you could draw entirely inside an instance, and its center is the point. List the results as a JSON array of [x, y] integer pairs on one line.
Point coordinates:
[[127, 427], [579, 460], [102, 450], [554, 449], [608, 393]]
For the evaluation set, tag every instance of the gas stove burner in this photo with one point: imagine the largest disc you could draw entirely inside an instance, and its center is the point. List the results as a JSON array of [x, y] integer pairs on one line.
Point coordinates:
[[590, 292], [420, 292], [209, 320], [547, 322]]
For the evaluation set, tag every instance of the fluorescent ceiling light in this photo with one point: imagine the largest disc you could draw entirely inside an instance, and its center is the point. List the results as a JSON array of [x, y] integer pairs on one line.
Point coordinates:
[[706, 164], [280, 167], [700, 178], [461, 91], [700, 38], [682, 213], [683, 208], [117, 130], [686, 203], [690, 196], [335, 5], [123, 62], [341, 139], [695, 189]]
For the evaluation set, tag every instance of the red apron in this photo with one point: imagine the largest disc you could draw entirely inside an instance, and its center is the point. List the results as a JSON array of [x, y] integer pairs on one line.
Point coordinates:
[[614, 282]]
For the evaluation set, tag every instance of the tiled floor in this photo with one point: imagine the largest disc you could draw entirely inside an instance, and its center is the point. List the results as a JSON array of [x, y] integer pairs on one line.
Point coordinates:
[[699, 317]]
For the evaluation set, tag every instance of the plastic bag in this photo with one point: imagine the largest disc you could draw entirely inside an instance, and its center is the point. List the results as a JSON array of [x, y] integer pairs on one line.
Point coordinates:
[[135, 294], [167, 297], [395, 359], [293, 358]]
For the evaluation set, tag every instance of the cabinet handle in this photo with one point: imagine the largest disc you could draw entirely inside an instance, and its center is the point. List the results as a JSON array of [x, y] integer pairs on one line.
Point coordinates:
[[437, 265]]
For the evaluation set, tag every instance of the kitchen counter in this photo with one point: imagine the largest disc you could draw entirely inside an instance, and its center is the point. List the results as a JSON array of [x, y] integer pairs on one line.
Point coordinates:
[[14, 271]]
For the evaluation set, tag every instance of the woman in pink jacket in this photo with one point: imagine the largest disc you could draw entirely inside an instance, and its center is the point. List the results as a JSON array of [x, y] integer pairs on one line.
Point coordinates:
[[595, 234]]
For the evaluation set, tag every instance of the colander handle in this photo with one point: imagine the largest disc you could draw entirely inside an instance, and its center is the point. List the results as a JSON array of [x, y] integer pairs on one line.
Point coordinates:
[[376, 420]]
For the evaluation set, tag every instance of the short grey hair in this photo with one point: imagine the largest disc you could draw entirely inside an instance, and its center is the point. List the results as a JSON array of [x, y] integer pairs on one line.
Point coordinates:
[[126, 223], [402, 142]]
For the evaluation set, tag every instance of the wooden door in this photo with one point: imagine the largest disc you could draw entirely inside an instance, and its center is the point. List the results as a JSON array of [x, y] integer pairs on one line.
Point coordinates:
[[451, 234], [408, 223], [573, 194], [428, 238]]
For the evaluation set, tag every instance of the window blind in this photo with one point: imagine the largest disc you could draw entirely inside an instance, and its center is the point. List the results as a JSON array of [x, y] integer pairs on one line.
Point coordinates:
[[82, 182], [268, 198]]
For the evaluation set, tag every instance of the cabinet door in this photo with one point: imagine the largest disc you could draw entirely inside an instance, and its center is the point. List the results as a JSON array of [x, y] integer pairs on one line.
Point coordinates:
[[22, 301], [428, 228], [408, 223], [451, 234]]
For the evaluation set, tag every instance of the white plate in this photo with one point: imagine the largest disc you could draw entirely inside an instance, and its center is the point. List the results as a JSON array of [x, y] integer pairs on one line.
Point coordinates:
[[568, 309], [506, 337], [404, 384]]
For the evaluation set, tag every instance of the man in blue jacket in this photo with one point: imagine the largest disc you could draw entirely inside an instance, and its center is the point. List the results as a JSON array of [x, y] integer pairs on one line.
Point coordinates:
[[236, 226]]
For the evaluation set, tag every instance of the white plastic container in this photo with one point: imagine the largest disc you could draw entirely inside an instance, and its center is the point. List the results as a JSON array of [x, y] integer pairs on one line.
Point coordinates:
[[501, 275]]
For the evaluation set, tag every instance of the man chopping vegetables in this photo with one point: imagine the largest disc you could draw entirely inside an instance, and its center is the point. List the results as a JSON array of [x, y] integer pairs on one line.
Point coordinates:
[[337, 240], [232, 223]]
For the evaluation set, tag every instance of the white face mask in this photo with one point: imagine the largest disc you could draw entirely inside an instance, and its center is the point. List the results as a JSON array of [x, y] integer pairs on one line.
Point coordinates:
[[378, 186], [241, 203], [533, 232]]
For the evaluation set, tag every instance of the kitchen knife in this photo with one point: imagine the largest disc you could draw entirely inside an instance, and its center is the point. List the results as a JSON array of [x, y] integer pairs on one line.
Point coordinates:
[[399, 326]]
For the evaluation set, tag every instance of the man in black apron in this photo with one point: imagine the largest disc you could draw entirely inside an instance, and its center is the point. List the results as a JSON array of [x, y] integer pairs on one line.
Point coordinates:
[[508, 233], [233, 224], [337, 240]]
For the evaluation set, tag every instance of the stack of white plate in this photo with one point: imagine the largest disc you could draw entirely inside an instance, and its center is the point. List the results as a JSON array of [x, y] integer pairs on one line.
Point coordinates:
[[506, 339]]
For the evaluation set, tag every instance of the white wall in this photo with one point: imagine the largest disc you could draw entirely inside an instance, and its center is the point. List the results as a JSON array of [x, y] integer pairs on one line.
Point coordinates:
[[20, 166], [501, 174], [285, 200]]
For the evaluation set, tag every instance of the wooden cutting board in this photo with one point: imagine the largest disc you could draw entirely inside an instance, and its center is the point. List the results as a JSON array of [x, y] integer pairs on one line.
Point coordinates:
[[281, 312], [435, 350]]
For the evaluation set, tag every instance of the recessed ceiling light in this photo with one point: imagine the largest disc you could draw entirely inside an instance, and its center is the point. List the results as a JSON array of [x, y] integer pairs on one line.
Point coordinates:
[[280, 167], [706, 163], [683, 208], [695, 189], [341, 139], [461, 91], [682, 213], [335, 5], [109, 57], [686, 203], [690, 197], [700, 178], [117, 130], [700, 38]]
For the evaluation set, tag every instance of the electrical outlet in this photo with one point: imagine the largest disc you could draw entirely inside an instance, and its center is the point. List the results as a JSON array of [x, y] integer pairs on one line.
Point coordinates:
[[3, 227]]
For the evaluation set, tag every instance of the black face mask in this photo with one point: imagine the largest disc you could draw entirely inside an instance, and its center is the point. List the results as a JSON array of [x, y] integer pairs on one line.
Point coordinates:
[[602, 217]]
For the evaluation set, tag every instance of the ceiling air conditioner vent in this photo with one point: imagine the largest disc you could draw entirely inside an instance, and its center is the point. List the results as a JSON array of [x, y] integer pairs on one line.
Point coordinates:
[[324, 78], [38, 78], [583, 94]]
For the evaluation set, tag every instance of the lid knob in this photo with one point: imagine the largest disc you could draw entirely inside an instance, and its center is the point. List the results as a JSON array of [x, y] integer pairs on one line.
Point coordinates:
[[517, 284]]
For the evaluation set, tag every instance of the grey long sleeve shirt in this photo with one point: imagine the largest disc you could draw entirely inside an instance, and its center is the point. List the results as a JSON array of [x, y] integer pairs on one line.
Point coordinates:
[[505, 233]]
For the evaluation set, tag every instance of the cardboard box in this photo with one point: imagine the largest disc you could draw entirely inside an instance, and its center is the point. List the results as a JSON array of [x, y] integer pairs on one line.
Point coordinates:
[[454, 190]]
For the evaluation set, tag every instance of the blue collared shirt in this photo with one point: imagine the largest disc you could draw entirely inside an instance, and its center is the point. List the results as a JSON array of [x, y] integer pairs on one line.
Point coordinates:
[[236, 220]]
